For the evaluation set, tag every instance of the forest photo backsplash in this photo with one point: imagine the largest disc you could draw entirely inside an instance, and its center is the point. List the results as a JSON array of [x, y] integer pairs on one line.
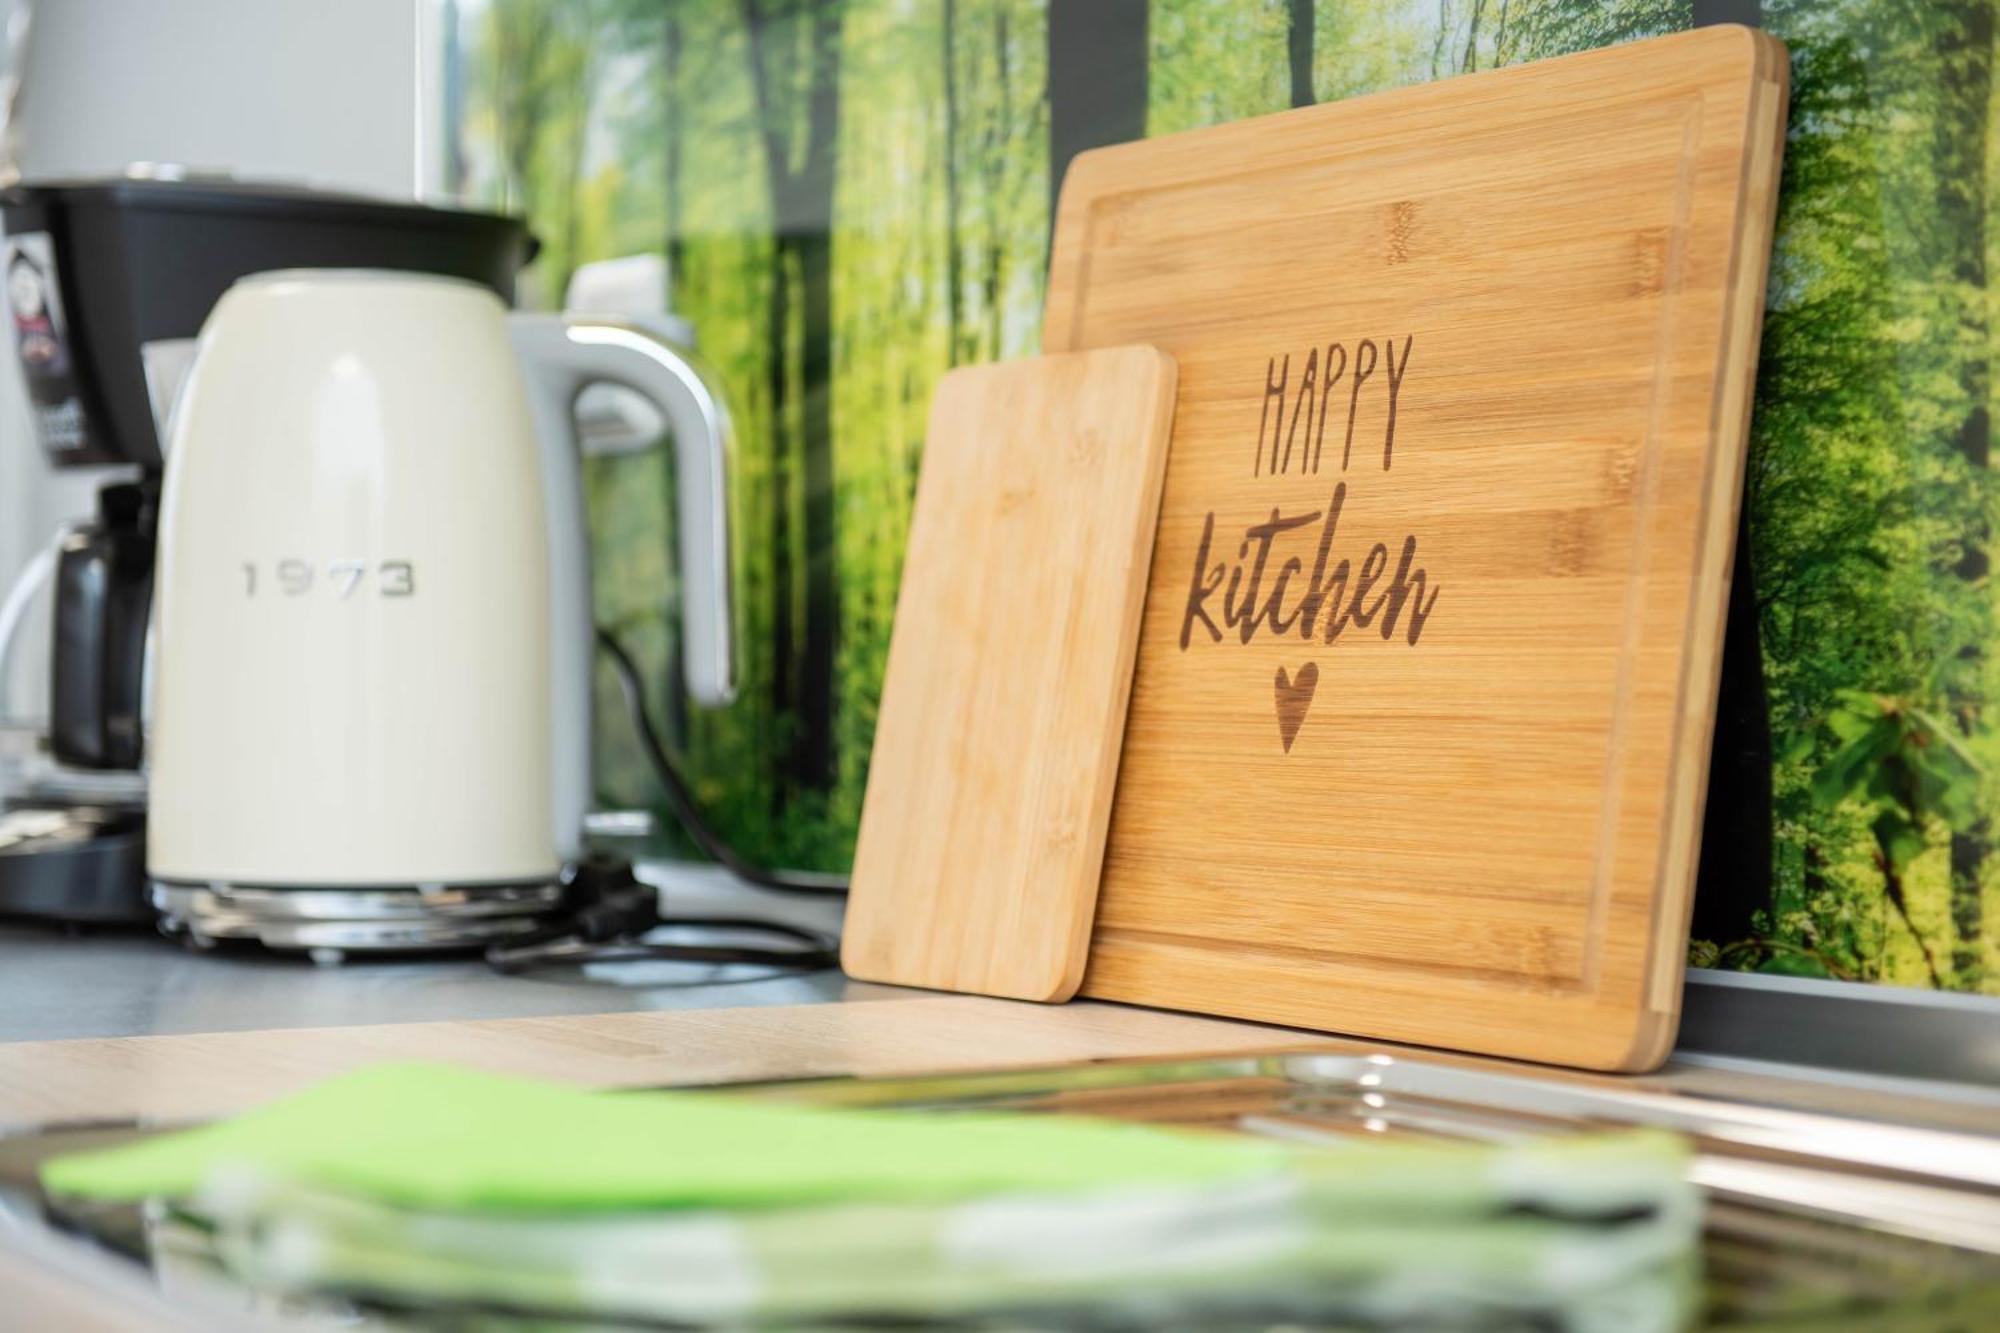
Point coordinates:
[[853, 195]]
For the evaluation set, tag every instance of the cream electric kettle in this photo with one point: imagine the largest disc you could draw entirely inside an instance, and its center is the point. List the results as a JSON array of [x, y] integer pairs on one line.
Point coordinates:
[[370, 696]]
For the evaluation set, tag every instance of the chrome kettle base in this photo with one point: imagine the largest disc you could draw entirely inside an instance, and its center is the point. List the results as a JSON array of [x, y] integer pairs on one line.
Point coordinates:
[[329, 923]]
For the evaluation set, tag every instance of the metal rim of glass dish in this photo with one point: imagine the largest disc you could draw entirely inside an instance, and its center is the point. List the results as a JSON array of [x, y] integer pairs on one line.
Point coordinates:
[[1932, 1185]]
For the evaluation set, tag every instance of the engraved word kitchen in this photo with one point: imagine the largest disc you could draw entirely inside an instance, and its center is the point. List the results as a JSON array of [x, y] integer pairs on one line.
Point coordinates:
[[1343, 396]]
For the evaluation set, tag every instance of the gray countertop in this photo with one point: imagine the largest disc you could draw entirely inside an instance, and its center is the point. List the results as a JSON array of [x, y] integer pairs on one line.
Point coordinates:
[[56, 985]]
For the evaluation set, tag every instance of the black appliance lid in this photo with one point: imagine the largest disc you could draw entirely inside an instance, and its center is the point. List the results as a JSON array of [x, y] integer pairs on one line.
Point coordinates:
[[228, 195]]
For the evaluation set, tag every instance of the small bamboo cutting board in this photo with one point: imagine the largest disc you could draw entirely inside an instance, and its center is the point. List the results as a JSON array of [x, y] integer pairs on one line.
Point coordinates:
[[1419, 734], [996, 748]]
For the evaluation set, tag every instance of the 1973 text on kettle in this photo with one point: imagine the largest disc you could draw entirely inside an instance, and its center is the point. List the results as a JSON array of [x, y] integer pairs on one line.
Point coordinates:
[[296, 578]]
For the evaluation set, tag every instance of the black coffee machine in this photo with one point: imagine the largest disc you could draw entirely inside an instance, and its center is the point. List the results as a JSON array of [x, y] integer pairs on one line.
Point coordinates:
[[106, 282]]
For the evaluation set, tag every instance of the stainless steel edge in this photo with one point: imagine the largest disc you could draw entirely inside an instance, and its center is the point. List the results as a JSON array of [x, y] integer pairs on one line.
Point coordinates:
[[1854, 1026]]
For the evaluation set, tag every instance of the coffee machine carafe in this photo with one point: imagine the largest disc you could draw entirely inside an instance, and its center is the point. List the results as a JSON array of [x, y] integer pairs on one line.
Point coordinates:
[[72, 820]]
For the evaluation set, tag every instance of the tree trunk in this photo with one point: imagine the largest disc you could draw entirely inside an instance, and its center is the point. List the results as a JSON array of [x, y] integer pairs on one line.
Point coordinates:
[[813, 753], [814, 761], [581, 97], [674, 248], [784, 576], [801, 180], [671, 45], [1097, 80], [995, 167], [954, 244], [454, 101], [1299, 47], [1963, 44], [784, 683]]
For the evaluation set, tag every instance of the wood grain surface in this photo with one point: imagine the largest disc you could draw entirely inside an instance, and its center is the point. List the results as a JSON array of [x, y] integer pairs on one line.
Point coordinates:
[[1418, 740], [172, 1078], [176, 1078], [1003, 704]]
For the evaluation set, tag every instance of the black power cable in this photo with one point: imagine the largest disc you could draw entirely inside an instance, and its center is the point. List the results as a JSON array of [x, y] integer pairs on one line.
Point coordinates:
[[609, 912], [682, 799]]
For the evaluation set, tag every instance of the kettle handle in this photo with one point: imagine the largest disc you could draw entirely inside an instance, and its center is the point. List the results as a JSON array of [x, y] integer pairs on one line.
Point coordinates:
[[560, 356], [564, 354]]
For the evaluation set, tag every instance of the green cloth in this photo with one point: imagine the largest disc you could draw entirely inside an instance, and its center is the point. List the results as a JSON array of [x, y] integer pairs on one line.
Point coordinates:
[[431, 1185], [439, 1136]]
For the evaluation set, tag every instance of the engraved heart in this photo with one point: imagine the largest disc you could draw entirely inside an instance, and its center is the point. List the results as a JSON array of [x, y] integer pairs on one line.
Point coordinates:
[[1294, 696]]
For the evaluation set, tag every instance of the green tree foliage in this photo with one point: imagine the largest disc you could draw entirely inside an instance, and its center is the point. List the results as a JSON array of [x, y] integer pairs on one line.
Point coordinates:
[[1546, 29], [753, 143], [536, 80], [1871, 498], [1908, 773]]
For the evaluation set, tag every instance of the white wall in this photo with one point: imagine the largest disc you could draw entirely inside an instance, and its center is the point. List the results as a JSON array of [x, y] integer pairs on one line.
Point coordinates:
[[314, 91], [319, 90]]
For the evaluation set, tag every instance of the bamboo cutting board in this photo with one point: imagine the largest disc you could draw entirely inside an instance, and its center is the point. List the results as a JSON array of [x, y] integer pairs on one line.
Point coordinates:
[[1419, 733], [996, 749]]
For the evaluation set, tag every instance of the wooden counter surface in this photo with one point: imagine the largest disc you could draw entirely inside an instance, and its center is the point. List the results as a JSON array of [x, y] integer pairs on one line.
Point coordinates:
[[169, 1078], [163, 1079]]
